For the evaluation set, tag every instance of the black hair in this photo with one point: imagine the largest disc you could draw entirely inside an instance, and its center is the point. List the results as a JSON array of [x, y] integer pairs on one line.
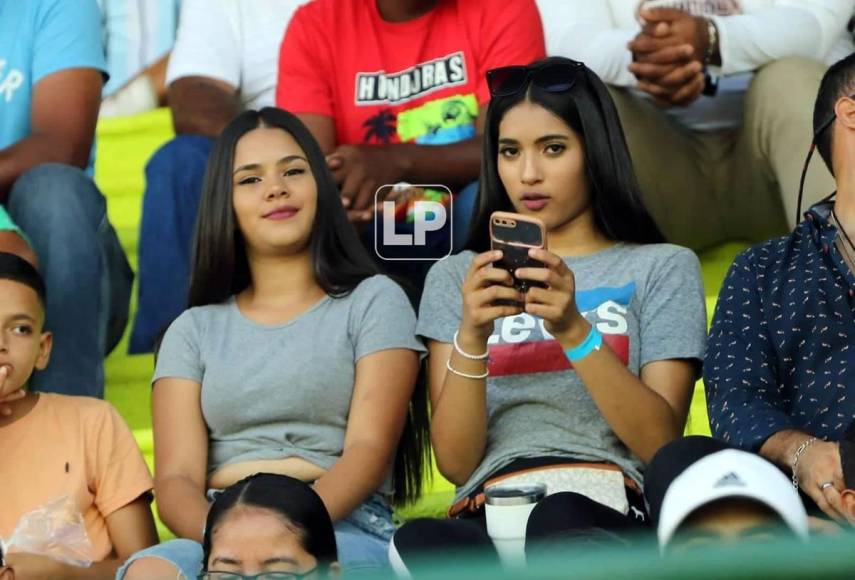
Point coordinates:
[[292, 499], [17, 269], [588, 109], [838, 82], [340, 262]]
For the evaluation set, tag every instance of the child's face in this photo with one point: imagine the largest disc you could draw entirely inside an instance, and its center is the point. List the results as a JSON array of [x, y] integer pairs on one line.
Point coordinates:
[[23, 345]]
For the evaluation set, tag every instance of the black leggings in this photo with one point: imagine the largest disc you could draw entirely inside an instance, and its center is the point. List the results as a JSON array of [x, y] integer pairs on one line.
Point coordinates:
[[562, 516]]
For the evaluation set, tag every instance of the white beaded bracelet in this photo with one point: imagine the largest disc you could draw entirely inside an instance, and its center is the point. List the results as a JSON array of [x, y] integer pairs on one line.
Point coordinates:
[[465, 354], [466, 375]]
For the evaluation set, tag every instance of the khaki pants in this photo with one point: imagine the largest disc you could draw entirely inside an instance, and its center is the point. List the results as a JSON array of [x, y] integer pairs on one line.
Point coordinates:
[[704, 188]]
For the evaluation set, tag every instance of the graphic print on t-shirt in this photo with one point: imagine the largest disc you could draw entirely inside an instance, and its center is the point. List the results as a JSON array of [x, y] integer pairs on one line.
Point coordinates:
[[375, 88], [512, 353], [437, 122]]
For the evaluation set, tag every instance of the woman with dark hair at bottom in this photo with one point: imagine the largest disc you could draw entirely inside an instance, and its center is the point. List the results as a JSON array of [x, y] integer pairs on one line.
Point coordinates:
[[270, 527], [295, 357], [582, 380]]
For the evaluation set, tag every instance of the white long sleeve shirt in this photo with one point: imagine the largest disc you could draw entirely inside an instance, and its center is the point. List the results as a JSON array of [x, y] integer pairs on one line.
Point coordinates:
[[752, 33], [233, 41]]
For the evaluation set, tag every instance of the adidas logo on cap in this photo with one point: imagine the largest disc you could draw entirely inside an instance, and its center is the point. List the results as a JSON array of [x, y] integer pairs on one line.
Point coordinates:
[[731, 479]]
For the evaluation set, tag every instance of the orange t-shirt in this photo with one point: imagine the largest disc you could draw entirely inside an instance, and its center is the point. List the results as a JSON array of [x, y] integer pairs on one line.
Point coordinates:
[[75, 446]]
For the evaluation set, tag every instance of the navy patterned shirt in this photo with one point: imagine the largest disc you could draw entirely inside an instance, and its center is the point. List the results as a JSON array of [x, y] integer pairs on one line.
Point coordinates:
[[781, 352]]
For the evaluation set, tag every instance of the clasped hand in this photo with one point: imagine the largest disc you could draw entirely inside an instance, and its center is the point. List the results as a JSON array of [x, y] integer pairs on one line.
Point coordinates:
[[667, 55]]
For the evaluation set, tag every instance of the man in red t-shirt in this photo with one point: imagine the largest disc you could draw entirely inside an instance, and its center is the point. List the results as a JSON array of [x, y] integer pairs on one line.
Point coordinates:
[[395, 90]]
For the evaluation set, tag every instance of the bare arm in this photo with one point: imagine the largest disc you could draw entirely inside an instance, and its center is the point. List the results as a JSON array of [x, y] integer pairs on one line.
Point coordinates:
[[202, 105], [322, 129], [459, 420], [645, 412], [180, 456], [381, 396], [63, 114], [12, 243], [819, 463]]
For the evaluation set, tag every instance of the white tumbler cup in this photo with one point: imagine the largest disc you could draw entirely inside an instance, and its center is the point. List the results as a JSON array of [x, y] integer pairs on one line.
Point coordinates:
[[507, 509]]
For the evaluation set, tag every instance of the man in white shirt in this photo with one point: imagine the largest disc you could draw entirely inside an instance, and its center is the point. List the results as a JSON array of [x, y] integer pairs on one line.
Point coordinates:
[[715, 99], [224, 61]]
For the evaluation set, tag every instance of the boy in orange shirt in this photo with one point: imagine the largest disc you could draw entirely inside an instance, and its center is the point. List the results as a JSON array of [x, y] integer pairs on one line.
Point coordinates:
[[57, 445]]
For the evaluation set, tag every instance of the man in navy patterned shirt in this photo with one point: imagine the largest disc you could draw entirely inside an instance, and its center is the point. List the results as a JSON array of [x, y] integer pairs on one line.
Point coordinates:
[[780, 362]]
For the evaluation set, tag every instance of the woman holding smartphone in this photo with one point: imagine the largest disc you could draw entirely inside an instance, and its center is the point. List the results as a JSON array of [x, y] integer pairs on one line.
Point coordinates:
[[581, 382]]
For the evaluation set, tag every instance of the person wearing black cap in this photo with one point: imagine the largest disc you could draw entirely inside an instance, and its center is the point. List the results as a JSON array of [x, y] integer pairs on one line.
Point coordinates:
[[780, 363]]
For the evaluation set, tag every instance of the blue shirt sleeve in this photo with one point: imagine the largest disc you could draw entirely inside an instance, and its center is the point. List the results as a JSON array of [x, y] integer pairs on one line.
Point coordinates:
[[744, 400], [68, 35]]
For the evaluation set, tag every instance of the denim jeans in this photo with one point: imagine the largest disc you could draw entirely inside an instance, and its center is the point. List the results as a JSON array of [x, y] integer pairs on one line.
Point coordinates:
[[86, 273], [362, 539], [174, 176]]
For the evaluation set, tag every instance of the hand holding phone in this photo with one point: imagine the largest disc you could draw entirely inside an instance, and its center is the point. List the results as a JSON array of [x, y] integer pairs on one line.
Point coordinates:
[[515, 234]]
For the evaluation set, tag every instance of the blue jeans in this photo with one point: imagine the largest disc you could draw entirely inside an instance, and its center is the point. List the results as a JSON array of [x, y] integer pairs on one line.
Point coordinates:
[[86, 272], [174, 176], [362, 540]]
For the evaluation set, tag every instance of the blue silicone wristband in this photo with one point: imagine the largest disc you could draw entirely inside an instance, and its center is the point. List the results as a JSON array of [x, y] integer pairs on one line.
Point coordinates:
[[592, 342]]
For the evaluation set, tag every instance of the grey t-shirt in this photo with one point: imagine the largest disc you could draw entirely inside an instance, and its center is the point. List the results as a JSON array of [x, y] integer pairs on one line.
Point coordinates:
[[272, 392], [648, 303]]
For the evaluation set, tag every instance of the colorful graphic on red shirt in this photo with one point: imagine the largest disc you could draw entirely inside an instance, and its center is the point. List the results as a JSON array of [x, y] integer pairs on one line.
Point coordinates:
[[417, 81], [511, 353]]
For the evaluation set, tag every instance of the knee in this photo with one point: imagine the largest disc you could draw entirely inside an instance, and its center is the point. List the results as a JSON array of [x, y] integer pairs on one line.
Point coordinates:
[[558, 504], [180, 152], [179, 558], [791, 83], [53, 194], [151, 568], [557, 513]]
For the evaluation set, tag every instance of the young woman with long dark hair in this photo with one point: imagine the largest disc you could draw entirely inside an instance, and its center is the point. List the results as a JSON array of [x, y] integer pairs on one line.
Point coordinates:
[[580, 382], [296, 357]]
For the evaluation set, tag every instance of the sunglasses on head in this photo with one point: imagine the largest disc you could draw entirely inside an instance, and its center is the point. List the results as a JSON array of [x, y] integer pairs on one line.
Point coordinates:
[[552, 77]]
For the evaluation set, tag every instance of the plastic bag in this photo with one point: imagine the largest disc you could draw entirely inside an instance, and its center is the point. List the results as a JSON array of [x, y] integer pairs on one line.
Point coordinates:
[[56, 530]]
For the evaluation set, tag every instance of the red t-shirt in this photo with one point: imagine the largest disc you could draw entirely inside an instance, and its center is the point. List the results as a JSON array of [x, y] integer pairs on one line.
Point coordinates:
[[418, 81]]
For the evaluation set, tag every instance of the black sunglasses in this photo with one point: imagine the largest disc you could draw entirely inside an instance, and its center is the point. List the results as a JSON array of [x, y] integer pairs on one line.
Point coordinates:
[[819, 131], [553, 78]]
